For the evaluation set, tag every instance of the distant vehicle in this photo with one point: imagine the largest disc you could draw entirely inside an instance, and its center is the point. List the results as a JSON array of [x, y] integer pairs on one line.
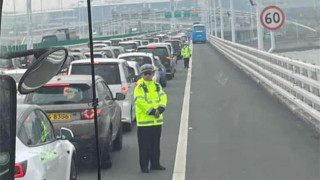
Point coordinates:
[[141, 59], [116, 73], [108, 51], [105, 43], [9, 64], [199, 33], [67, 102], [59, 35], [117, 50], [129, 46], [162, 71], [77, 55], [156, 40], [99, 46], [115, 41], [177, 46], [134, 69], [97, 54], [145, 42], [39, 153], [163, 52], [173, 54]]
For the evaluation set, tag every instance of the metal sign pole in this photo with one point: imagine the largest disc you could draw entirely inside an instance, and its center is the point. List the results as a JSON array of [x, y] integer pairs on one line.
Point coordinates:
[[233, 31], [215, 18], [259, 26], [221, 20]]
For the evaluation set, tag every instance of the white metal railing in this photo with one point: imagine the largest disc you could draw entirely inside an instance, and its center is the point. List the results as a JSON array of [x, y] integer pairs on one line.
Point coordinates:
[[297, 81]]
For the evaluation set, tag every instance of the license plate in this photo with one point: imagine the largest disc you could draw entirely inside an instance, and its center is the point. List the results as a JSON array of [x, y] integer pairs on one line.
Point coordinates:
[[59, 116]]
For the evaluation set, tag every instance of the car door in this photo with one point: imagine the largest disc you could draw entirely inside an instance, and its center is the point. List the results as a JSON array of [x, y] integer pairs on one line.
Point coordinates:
[[39, 138], [105, 118], [58, 160], [114, 109]]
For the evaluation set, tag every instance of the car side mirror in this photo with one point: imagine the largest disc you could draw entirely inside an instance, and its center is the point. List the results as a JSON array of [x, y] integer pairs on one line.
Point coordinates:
[[120, 96], [66, 134]]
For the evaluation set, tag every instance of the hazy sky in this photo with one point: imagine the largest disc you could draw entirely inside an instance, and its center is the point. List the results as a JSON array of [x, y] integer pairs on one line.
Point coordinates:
[[36, 4]]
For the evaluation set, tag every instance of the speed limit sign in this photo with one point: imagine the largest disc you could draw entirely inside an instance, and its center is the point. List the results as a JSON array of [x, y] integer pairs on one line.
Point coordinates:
[[272, 18]]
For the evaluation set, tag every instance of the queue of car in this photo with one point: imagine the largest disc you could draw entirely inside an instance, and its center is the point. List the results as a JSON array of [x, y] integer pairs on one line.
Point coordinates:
[[55, 126]]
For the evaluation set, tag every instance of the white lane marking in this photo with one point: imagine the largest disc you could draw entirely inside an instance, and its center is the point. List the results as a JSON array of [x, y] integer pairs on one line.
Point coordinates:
[[179, 171]]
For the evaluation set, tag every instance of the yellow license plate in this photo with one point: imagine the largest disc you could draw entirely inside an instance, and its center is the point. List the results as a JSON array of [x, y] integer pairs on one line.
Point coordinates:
[[59, 116]]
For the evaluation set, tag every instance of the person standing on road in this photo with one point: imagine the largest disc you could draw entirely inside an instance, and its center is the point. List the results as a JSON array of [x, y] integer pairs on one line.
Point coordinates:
[[150, 101], [186, 54]]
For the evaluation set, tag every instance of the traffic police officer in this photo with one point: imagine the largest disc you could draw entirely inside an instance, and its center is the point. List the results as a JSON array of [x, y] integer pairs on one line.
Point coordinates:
[[150, 101], [186, 54]]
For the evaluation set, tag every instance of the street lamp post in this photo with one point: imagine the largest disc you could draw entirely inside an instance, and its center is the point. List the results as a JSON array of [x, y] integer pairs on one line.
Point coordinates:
[[221, 20]]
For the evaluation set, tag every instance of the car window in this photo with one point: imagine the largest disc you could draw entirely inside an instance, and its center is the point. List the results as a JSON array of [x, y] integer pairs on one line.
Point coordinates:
[[107, 91], [108, 71], [129, 46], [35, 129], [126, 73], [109, 53], [97, 55], [116, 52], [141, 60], [61, 94], [100, 91]]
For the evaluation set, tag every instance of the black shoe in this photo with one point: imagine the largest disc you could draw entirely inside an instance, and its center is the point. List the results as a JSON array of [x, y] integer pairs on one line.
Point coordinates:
[[145, 170], [161, 168]]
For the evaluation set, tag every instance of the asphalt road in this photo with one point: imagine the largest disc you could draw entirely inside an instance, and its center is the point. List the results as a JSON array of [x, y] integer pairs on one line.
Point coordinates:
[[126, 162], [239, 131]]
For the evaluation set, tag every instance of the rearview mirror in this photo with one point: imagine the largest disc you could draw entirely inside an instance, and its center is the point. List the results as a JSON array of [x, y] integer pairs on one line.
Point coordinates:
[[66, 134], [120, 96], [42, 70]]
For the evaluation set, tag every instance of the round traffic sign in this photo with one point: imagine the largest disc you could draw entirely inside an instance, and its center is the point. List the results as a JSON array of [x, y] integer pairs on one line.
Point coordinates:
[[272, 18]]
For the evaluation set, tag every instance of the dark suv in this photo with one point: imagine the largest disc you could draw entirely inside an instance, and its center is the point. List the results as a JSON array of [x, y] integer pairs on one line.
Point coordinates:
[[163, 52]]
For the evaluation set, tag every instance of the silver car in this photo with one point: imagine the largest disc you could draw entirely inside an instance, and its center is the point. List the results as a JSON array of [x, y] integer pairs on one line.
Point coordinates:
[[116, 73], [68, 102]]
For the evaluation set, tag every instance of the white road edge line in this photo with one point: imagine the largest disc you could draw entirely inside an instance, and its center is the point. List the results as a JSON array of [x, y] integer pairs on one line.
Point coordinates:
[[179, 171]]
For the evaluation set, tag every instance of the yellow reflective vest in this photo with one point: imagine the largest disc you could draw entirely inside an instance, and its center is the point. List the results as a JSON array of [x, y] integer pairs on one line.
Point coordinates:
[[186, 52], [149, 96]]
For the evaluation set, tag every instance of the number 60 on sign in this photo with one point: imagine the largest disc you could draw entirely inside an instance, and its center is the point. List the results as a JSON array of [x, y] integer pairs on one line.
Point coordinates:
[[272, 18]]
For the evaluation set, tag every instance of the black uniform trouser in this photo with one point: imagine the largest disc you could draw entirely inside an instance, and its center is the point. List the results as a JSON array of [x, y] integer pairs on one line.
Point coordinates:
[[186, 62], [149, 146]]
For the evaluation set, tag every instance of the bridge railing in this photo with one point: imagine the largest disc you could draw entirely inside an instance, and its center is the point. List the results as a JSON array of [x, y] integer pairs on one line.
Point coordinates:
[[296, 81]]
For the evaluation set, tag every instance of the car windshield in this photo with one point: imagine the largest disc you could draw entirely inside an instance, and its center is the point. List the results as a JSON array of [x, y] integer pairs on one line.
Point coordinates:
[[141, 60], [61, 94], [199, 28], [109, 72]]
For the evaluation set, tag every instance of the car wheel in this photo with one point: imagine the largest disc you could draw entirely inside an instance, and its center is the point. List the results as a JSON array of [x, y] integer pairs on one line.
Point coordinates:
[[73, 170], [117, 144], [127, 127], [105, 159]]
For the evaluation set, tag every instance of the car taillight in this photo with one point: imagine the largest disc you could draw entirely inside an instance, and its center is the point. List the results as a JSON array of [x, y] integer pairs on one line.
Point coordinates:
[[151, 47], [64, 73], [20, 169], [168, 58], [124, 89], [89, 113]]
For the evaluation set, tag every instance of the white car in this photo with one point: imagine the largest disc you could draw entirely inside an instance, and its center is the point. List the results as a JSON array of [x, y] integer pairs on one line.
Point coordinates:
[[39, 153], [142, 58], [116, 73]]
